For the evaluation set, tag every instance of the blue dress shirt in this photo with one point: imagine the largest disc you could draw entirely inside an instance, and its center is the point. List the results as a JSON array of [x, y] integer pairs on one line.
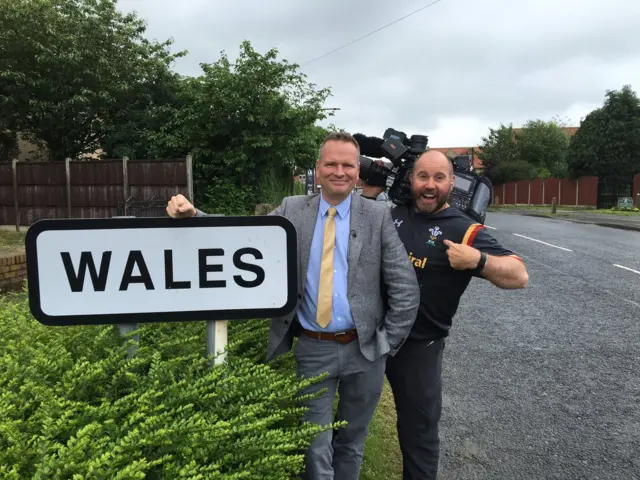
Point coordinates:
[[341, 318]]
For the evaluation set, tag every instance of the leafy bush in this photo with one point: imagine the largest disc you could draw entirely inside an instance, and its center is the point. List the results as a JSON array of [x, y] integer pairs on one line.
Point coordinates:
[[73, 406]]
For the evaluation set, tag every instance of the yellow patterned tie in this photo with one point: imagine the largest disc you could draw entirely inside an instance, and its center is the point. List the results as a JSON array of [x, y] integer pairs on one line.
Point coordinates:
[[325, 286]]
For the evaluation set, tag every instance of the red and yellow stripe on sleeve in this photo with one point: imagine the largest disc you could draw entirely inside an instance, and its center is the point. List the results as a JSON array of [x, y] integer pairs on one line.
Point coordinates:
[[471, 233]]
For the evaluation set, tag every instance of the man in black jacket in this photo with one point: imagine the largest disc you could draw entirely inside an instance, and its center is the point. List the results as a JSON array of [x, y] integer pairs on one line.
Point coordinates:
[[447, 249]]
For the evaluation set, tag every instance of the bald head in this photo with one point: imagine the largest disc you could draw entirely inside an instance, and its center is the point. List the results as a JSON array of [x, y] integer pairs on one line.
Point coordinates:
[[431, 182], [435, 159]]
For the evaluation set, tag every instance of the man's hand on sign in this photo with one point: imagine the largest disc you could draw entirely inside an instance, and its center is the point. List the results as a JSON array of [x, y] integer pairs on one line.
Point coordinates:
[[180, 207]]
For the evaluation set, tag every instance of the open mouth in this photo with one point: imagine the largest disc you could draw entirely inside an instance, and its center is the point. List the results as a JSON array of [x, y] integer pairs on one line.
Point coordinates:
[[429, 196]]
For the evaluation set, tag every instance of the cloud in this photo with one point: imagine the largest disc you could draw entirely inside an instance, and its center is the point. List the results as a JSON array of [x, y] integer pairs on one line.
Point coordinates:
[[450, 71]]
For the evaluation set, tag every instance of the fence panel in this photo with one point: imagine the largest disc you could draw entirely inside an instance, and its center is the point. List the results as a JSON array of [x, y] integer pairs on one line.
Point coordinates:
[[536, 191], [498, 191], [585, 192], [551, 189], [588, 191], [522, 195], [95, 188], [567, 192], [510, 193]]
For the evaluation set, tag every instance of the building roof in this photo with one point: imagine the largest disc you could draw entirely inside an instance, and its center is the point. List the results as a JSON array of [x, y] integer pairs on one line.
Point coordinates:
[[452, 152]]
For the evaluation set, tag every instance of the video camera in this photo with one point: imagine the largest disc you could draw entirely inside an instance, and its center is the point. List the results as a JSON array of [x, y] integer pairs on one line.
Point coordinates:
[[471, 193]]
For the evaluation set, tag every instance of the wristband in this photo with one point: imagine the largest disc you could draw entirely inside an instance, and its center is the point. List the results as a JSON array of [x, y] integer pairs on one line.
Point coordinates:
[[481, 263]]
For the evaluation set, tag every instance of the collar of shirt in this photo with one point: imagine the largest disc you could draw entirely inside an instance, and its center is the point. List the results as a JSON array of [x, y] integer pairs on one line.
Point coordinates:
[[342, 208]]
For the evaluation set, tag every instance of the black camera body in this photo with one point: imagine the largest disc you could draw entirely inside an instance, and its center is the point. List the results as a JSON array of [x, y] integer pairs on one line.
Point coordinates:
[[471, 194], [402, 152]]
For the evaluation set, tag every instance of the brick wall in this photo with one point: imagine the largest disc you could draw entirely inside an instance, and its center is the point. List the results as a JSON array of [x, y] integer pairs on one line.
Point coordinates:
[[13, 271]]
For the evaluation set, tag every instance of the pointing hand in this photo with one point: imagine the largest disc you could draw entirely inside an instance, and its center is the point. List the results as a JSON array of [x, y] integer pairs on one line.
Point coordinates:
[[462, 257]]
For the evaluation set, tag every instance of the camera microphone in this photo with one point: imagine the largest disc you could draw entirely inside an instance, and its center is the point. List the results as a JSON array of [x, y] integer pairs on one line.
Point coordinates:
[[370, 146]]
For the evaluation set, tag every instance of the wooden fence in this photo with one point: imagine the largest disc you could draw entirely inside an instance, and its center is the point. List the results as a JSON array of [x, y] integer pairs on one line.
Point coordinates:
[[86, 188], [583, 192], [580, 192]]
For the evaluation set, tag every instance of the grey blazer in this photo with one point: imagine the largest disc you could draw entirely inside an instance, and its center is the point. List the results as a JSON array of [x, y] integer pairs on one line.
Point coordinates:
[[377, 259]]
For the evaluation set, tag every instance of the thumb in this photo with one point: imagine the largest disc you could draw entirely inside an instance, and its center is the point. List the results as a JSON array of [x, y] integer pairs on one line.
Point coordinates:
[[448, 243]]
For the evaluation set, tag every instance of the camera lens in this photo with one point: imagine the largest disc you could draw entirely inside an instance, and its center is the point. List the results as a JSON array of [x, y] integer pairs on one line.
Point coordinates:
[[419, 143], [365, 167]]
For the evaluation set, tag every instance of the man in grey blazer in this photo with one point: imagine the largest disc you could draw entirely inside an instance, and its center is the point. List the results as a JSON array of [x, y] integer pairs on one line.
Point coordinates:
[[358, 298]]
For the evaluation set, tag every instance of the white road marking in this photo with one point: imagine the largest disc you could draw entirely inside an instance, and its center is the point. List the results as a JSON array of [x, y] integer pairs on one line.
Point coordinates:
[[540, 241], [492, 228], [596, 288], [626, 268]]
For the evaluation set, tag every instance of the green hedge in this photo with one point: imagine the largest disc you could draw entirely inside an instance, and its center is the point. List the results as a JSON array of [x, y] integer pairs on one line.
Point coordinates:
[[72, 406]]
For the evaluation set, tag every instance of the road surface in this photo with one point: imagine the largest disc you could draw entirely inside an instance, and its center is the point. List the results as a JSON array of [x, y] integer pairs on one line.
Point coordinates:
[[544, 383]]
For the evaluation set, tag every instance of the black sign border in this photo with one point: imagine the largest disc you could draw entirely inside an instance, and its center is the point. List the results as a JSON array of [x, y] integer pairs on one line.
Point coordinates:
[[158, 222]]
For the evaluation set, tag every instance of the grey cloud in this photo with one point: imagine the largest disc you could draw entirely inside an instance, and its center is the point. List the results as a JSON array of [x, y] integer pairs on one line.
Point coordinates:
[[481, 62]]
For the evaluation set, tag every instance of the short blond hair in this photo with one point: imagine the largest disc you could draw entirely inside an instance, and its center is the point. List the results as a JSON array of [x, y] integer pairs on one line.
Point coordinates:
[[338, 137]]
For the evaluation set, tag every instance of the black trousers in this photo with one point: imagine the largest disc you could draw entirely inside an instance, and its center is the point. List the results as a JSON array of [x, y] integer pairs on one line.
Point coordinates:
[[415, 377]]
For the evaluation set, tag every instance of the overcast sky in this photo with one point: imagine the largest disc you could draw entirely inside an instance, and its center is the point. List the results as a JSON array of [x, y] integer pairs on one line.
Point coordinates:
[[450, 71]]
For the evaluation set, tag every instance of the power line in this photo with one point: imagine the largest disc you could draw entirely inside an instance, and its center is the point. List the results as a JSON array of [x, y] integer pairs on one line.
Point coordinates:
[[371, 33]]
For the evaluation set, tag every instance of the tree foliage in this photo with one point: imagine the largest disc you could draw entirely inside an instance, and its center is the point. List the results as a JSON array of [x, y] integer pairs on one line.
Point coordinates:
[[499, 155], [72, 69], [91, 80], [544, 145], [8, 144], [607, 144], [248, 125], [538, 150]]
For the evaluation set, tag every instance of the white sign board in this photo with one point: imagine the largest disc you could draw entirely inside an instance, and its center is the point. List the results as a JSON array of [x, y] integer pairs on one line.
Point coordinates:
[[125, 270]]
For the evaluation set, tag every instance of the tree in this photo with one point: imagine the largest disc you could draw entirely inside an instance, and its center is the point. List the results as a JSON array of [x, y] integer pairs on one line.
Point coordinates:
[[544, 145], [248, 125], [72, 69], [8, 144], [607, 143], [134, 130], [501, 158]]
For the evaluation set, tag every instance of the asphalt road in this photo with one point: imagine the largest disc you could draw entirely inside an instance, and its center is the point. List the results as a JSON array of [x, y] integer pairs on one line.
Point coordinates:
[[544, 383]]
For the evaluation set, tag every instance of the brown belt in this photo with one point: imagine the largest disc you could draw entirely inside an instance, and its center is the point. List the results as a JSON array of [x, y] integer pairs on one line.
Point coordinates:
[[340, 337]]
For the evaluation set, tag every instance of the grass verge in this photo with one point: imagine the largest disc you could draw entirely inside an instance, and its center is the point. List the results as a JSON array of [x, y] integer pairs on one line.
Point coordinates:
[[565, 211], [623, 213], [382, 459], [11, 242]]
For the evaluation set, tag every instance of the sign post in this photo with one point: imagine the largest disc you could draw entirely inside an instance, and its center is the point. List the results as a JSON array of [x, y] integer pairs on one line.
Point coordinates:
[[125, 328], [217, 340], [216, 332], [142, 270], [310, 182]]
